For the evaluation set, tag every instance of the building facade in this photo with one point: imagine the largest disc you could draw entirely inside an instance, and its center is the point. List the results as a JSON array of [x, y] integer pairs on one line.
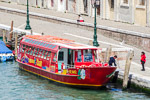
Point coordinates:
[[129, 11]]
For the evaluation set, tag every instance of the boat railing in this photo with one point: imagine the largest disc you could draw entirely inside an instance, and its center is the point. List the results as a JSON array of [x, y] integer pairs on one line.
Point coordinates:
[[82, 66], [70, 66]]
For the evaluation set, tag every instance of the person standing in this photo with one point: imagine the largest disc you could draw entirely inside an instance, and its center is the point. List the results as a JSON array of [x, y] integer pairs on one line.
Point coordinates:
[[143, 60], [112, 61]]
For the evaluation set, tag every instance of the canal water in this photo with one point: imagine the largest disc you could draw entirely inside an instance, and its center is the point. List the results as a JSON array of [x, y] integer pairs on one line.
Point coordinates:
[[16, 84]]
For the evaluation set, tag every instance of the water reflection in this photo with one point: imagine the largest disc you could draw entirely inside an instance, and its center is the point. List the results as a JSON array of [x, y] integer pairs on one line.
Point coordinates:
[[17, 84]]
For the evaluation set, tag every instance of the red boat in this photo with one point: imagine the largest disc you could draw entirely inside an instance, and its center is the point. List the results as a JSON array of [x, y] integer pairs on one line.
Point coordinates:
[[63, 61]]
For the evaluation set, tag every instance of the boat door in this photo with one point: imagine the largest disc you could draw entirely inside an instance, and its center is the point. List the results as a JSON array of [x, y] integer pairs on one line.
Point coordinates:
[[62, 58]]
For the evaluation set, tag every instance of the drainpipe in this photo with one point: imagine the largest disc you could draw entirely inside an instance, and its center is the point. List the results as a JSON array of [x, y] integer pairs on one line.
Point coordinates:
[[147, 13]]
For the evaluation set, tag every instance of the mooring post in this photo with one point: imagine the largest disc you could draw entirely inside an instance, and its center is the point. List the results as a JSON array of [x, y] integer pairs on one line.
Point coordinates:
[[16, 44], [127, 68], [4, 36], [11, 31], [109, 50]]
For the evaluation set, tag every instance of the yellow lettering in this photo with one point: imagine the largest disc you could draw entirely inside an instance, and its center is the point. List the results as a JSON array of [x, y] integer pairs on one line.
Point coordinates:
[[39, 63], [72, 72], [31, 61]]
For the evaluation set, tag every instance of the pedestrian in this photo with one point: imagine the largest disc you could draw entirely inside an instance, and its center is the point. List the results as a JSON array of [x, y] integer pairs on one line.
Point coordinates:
[[143, 60], [112, 61], [80, 19]]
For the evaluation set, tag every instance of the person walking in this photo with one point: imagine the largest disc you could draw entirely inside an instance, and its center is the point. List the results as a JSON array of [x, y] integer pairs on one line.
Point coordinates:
[[112, 61], [143, 60]]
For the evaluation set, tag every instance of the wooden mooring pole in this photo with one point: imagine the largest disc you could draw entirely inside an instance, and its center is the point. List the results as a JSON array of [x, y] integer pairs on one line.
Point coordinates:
[[16, 44], [4, 36], [108, 53], [127, 68], [11, 31]]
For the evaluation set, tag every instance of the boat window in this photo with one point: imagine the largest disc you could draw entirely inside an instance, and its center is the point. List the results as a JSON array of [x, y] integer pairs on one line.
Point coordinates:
[[37, 52], [47, 45], [54, 58], [53, 47], [43, 54], [27, 40], [44, 44], [49, 54], [61, 56], [50, 46], [31, 51], [87, 55], [41, 44], [38, 43], [34, 52], [40, 53], [96, 56], [20, 48], [30, 41], [23, 48], [33, 42], [79, 59], [26, 50]]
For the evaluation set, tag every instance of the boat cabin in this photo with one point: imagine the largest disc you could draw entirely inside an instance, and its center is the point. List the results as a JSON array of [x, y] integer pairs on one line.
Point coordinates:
[[55, 54]]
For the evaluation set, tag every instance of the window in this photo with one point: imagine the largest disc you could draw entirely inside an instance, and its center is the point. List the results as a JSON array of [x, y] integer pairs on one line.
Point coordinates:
[[44, 44], [40, 52], [41, 44], [79, 59], [34, 52], [38, 43], [23, 48], [20, 48], [31, 51], [112, 3], [61, 56], [37, 52], [49, 54], [33, 42], [125, 1], [47, 45], [30, 41], [26, 51], [142, 2], [53, 47], [54, 58], [87, 55], [43, 54], [50, 46]]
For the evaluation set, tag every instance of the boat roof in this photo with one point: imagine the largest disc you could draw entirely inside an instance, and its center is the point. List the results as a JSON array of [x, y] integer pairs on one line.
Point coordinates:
[[3, 48], [53, 42]]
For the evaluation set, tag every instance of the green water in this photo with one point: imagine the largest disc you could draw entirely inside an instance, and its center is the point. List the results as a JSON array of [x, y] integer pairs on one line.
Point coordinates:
[[20, 85]]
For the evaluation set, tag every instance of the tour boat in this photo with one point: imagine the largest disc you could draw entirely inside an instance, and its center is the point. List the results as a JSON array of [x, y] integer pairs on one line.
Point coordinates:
[[63, 61]]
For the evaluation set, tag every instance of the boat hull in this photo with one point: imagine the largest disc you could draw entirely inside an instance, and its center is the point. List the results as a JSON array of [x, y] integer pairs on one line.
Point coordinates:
[[95, 77]]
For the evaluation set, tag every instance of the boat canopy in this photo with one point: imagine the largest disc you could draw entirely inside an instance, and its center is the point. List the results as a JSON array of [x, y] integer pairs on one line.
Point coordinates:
[[53, 43], [4, 49]]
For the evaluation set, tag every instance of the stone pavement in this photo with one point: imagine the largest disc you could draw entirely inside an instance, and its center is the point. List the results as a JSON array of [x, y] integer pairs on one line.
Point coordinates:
[[72, 16], [73, 33]]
